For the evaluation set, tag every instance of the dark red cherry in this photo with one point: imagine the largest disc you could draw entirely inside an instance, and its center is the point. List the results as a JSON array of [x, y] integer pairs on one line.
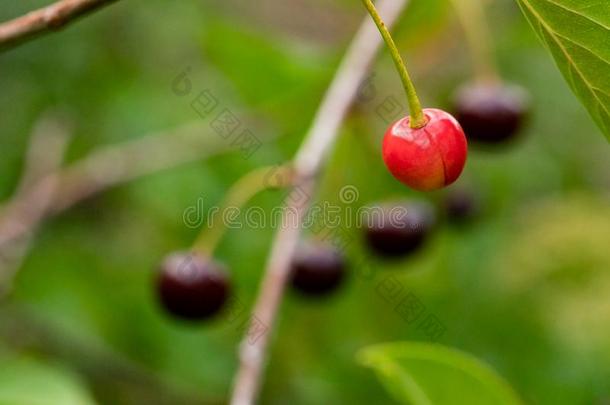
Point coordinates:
[[491, 113], [461, 206], [317, 268], [398, 229], [191, 286]]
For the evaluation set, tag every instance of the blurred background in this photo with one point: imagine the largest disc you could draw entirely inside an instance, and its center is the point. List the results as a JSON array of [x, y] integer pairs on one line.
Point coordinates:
[[524, 285]]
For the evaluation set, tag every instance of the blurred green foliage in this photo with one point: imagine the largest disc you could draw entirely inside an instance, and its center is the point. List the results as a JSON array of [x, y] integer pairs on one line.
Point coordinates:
[[25, 381], [423, 374], [525, 290]]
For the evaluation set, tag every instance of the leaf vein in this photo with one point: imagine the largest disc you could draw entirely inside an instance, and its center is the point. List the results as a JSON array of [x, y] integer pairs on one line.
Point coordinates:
[[566, 54], [583, 47], [607, 28]]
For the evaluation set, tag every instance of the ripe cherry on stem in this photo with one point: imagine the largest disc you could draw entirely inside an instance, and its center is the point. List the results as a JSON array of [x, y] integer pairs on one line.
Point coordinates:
[[191, 285], [399, 229], [426, 150], [317, 268], [490, 111], [426, 158]]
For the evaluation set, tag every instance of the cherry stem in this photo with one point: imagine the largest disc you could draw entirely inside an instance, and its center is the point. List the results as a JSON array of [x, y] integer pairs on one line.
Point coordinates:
[[418, 119], [472, 19], [264, 178]]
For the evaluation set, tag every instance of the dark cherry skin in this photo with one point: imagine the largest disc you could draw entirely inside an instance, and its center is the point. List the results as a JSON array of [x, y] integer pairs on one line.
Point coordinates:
[[317, 269], [426, 158], [401, 229], [491, 113], [191, 286], [461, 206]]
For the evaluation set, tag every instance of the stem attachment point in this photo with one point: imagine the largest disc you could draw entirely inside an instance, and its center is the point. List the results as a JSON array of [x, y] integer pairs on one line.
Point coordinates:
[[264, 178]]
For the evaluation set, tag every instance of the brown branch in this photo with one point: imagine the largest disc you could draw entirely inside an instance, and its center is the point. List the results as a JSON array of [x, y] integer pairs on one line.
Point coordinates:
[[117, 164], [308, 162], [44, 155], [107, 167], [46, 148], [46, 19], [104, 168]]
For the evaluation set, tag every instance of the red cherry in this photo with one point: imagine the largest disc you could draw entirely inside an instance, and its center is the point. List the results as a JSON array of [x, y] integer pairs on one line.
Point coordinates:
[[426, 158]]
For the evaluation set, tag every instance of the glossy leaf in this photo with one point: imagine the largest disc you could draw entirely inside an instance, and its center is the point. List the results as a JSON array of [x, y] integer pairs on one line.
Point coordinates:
[[430, 374], [577, 32]]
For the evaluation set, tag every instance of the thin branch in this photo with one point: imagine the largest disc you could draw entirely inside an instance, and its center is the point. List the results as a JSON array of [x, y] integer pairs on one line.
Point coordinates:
[[104, 168], [46, 19], [308, 162], [44, 155], [117, 164], [46, 148]]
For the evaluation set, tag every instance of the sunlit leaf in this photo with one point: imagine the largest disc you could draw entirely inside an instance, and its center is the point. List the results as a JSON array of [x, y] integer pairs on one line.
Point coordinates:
[[431, 374]]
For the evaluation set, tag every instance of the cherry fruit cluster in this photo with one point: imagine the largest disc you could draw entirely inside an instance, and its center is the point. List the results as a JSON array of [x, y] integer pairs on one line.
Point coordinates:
[[425, 150]]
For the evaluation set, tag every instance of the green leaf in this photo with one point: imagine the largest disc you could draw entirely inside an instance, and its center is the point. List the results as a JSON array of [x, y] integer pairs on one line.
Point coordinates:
[[431, 374], [577, 32], [26, 382]]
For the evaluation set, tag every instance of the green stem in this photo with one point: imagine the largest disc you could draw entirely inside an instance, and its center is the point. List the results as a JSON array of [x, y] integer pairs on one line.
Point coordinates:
[[418, 119], [472, 19], [238, 195]]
